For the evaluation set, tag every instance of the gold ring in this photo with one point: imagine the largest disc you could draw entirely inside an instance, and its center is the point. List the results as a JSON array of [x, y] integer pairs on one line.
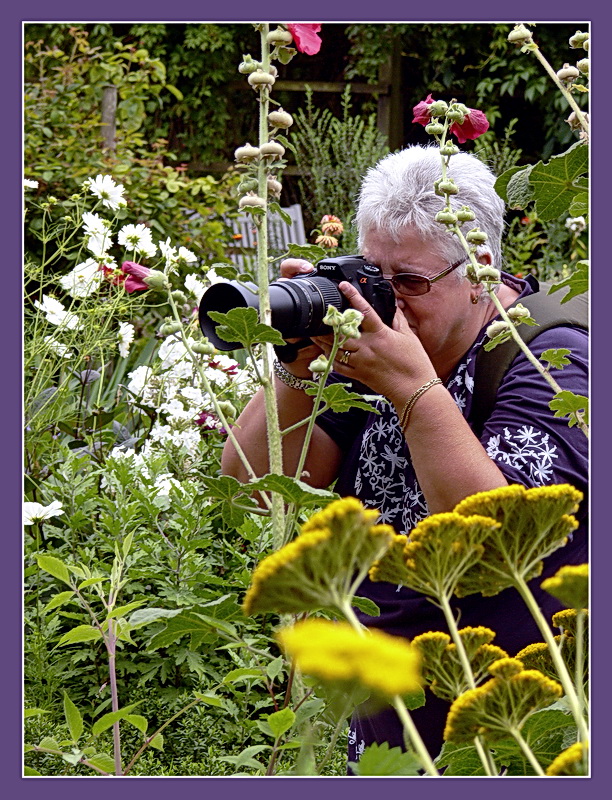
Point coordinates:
[[344, 358]]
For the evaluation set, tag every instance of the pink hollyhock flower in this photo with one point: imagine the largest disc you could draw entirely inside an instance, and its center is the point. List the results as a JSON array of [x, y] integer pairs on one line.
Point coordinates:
[[473, 126], [134, 276], [305, 37]]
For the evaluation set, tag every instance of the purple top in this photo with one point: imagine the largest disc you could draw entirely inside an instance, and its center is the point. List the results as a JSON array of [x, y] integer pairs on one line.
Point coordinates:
[[529, 445]]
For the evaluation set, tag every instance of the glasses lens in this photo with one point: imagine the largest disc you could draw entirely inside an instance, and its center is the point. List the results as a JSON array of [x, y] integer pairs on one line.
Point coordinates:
[[411, 284]]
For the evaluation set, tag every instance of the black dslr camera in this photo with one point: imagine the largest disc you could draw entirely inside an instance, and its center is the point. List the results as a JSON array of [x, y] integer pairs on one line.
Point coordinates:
[[298, 305]]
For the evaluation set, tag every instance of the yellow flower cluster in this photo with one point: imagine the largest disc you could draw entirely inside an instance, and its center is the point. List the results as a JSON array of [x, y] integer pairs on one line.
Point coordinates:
[[502, 704], [570, 585], [334, 652], [537, 656], [318, 569], [570, 761], [567, 620], [442, 668]]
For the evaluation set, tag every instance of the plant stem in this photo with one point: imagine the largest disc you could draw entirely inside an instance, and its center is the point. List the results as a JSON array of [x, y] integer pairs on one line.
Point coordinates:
[[580, 619], [528, 752], [111, 646], [564, 91], [414, 736], [560, 667]]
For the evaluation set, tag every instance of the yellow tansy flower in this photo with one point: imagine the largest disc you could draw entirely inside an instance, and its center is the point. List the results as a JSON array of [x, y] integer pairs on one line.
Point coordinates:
[[567, 620], [570, 761], [570, 585], [334, 652], [533, 523]]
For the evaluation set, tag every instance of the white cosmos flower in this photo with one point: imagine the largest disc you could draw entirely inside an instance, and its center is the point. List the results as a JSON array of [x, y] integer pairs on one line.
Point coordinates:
[[186, 255], [36, 512], [56, 314], [94, 224], [28, 184], [109, 192], [99, 243], [194, 286], [126, 337], [57, 347], [168, 252], [137, 238], [84, 279], [576, 224]]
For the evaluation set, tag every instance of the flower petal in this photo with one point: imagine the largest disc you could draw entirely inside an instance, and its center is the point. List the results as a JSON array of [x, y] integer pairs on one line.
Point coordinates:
[[305, 37]]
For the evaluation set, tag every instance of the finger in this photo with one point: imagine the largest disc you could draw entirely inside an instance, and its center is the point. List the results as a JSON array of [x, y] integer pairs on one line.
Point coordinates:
[[291, 267], [371, 321]]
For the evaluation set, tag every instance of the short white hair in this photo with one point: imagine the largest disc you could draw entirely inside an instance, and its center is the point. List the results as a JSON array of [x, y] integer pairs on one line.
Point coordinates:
[[398, 193]]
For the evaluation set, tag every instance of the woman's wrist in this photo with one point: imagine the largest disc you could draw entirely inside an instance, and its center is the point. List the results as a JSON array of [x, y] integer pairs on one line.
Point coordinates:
[[289, 378]]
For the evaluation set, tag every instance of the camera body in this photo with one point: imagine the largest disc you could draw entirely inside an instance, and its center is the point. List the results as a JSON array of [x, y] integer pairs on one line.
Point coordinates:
[[299, 305]]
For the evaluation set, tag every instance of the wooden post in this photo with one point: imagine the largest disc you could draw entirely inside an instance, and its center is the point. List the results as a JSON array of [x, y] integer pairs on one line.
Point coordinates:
[[109, 110], [390, 105]]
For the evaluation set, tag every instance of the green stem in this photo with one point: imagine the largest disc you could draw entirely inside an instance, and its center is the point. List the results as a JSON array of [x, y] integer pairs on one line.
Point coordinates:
[[580, 619], [528, 752], [560, 667], [414, 736], [564, 91]]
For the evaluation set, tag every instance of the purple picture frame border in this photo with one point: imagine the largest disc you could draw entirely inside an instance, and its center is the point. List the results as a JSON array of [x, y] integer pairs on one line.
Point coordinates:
[[10, 399]]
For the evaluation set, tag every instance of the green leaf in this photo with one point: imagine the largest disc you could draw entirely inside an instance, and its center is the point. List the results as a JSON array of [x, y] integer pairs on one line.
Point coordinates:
[[291, 490], [243, 674], [580, 205], [275, 667], [414, 699], [127, 544], [138, 721], [58, 600], [54, 567], [103, 761], [283, 139], [339, 399], [556, 184], [30, 771], [459, 760], [121, 611], [242, 325], [380, 759], [281, 721], [578, 282], [568, 404], [157, 741], [74, 720], [82, 633], [275, 208], [556, 358], [108, 720], [513, 186], [145, 616], [366, 605], [245, 758], [310, 252], [210, 699], [91, 582], [49, 743], [198, 626], [546, 732], [173, 90], [33, 712]]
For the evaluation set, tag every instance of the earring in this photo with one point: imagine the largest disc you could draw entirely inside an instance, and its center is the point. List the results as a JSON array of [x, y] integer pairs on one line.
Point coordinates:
[[475, 299]]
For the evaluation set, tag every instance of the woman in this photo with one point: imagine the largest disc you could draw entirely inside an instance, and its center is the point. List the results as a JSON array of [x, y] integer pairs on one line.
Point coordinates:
[[419, 454]]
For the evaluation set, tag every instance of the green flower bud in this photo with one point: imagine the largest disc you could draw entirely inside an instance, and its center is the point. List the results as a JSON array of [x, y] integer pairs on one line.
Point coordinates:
[[476, 236], [567, 74], [583, 66], [248, 65], [446, 217], [280, 118], [333, 317], [248, 185], [454, 115], [495, 328], [157, 280], [351, 330], [465, 214], [352, 316], [448, 186], [179, 297], [578, 39], [449, 148], [272, 148], [168, 328], [246, 153], [320, 364], [520, 35], [518, 313], [437, 109], [251, 200], [228, 409], [487, 273], [274, 187], [585, 45], [435, 128], [204, 348], [279, 36], [259, 79]]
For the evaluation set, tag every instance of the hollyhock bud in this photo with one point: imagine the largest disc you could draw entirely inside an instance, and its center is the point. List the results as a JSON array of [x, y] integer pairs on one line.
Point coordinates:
[[449, 149], [333, 318], [248, 185], [251, 201], [567, 74], [228, 409], [435, 128], [134, 276], [518, 313], [578, 39], [280, 118], [448, 186], [497, 327], [274, 187], [465, 214], [246, 153], [248, 65], [438, 108], [179, 297], [476, 236], [259, 79], [156, 280], [168, 328], [520, 35], [446, 217], [279, 36], [273, 149], [455, 115], [204, 348], [320, 364], [583, 66], [485, 272]]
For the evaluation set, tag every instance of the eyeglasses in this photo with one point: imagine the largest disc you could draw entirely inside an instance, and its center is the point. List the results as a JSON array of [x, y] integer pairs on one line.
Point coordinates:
[[411, 284]]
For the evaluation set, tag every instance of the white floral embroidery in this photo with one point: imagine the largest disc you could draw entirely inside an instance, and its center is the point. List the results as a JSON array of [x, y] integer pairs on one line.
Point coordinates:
[[352, 736], [526, 449], [360, 748]]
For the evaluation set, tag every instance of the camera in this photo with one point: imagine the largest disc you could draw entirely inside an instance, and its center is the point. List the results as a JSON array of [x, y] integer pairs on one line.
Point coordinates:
[[299, 304]]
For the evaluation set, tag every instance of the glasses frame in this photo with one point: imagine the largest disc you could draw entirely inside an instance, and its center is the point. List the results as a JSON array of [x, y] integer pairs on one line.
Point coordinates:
[[422, 279]]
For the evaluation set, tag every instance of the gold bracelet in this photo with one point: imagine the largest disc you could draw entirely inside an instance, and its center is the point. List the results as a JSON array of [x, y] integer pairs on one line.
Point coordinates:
[[405, 415]]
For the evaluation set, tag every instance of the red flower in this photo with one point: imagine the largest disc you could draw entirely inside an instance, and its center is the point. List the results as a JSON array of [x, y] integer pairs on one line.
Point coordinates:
[[473, 126], [305, 37]]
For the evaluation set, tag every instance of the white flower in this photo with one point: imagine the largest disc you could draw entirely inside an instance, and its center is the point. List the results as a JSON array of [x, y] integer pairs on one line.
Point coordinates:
[[35, 512], [212, 277], [186, 255], [576, 224], [194, 395], [84, 279], [168, 252], [104, 187], [94, 224], [194, 286], [28, 184], [137, 238], [99, 243], [125, 336], [139, 378], [57, 347], [56, 314]]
